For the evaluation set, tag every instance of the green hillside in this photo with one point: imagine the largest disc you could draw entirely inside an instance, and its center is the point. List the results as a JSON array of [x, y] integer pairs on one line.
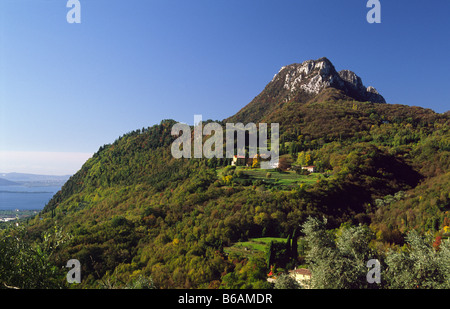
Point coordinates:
[[133, 212]]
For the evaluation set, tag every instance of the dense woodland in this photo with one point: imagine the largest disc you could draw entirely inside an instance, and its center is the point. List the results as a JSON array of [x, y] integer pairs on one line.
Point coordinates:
[[136, 217]]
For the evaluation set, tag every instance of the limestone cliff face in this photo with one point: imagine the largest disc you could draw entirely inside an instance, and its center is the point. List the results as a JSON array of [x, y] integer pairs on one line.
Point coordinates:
[[313, 76], [303, 82], [310, 76], [353, 83]]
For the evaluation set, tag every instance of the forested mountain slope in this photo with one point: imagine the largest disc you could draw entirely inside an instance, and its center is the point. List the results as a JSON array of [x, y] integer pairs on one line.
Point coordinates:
[[134, 211]]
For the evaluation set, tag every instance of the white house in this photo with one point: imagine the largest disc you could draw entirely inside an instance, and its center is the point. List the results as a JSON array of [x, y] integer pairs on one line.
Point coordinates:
[[238, 160], [311, 168], [302, 276]]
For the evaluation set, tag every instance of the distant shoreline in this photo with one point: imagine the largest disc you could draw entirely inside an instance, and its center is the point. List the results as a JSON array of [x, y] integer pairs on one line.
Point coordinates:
[[27, 192], [8, 215]]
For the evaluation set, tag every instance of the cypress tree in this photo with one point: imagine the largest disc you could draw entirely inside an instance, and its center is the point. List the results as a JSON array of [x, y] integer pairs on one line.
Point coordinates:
[[294, 247], [270, 254], [288, 245]]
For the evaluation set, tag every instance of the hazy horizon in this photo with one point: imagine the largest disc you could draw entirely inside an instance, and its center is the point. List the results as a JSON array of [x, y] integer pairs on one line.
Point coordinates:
[[42, 163]]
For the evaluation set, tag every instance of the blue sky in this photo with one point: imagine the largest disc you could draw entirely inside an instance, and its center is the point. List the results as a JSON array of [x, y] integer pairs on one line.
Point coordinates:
[[70, 88]]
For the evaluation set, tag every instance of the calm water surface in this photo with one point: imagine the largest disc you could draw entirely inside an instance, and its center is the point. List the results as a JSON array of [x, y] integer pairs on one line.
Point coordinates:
[[22, 197]]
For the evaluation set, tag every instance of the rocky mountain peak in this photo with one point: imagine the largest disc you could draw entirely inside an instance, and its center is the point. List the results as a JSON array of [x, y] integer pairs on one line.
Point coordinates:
[[312, 76], [309, 81], [354, 86]]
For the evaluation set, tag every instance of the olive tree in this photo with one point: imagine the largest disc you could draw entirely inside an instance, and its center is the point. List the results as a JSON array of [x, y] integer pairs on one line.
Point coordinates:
[[28, 265], [418, 264], [338, 260]]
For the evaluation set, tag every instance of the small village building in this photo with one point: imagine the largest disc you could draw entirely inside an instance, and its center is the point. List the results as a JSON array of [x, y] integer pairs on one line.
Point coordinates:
[[243, 161], [302, 276], [238, 160], [311, 168]]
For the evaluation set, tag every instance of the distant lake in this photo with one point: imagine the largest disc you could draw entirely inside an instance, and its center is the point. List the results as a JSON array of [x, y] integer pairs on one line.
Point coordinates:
[[24, 197]]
